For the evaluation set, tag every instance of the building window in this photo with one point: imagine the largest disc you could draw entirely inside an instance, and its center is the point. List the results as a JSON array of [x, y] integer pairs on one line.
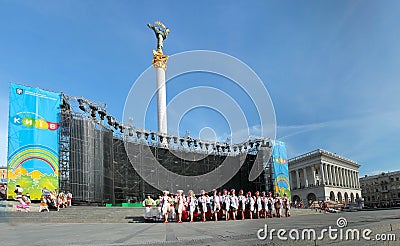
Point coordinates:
[[398, 195], [397, 179]]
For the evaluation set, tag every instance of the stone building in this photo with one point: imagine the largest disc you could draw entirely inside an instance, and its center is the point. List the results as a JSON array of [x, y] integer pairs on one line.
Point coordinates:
[[322, 175], [381, 190]]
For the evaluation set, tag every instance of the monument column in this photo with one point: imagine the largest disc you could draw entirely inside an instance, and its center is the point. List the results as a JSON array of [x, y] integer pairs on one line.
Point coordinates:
[[334, 176], [330, 175], [313, 175], [322, 171], [305, 177], [160, 64], [298, 178]]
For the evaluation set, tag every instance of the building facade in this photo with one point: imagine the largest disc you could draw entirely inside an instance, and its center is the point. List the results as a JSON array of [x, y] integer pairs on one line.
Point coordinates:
[[382, 190], [322, 175]]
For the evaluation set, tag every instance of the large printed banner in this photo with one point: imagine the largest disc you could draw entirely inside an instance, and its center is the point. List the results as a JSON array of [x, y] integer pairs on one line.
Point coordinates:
[[33, 140], [280, 169]]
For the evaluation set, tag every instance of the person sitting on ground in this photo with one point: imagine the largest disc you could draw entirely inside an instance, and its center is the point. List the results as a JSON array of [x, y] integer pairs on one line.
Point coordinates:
[[43, 204], [22, 204]]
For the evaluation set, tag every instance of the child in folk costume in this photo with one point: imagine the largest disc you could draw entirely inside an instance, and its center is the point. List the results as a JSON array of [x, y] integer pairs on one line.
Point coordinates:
[[226, 203], [264, 201], [216, 200], [270, 204], [180, 201], [148, 207], [286, 205], [250, 203], [22, 203], [202, 200], [192, 202], [242, 203], [278, 204], [69, 198], [234, 203], [259, 204], [43, 204], [165, 208]]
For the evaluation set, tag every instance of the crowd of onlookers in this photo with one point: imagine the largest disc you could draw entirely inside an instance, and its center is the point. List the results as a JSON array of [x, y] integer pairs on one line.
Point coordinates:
[[50, 199], [216, 206]]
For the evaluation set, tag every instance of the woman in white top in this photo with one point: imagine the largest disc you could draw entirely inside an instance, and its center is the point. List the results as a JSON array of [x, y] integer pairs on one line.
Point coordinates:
[[242, 203], [180, 201], [234, 203], [259, 204], [250, 203], [165, 205], [192, 201], [202, 200], [216, 204], [226, 203], [264, 201]]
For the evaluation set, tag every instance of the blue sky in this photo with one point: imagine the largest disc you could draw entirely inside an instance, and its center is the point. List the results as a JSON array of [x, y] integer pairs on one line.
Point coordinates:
[[330, 67]]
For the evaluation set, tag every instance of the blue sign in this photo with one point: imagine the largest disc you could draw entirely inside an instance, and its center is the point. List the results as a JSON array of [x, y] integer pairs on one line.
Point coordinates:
[[33, 140]]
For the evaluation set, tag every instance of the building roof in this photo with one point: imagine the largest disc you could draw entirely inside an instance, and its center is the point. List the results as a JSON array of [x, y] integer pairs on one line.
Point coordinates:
[[321, 152], [380, 175]]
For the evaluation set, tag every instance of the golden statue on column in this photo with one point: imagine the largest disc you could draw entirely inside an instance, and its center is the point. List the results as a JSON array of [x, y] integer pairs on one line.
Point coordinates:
[[161, 32]]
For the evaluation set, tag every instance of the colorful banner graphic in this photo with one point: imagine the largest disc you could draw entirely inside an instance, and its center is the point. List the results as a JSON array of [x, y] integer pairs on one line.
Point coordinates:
[[280, 169], [33, 140]]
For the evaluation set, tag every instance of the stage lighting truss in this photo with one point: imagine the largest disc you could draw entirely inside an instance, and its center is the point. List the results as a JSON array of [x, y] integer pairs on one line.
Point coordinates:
[[132, 133]]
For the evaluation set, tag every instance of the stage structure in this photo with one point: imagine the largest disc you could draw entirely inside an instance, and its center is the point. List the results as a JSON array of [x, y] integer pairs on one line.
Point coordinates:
[[94, 163], [92, 160], [96, 152]]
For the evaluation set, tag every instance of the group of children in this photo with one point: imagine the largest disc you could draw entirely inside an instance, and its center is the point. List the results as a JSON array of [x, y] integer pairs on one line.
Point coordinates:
[[55, 200], [51, 199], [226, 206]]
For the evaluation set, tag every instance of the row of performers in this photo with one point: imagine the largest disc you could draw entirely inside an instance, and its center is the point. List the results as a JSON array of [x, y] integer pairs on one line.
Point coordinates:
[[218, 206]]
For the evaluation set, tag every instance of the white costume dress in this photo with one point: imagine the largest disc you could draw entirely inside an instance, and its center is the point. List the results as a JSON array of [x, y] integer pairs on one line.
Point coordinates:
[[192, 203], [165, 204], [259, 204], [148, 210], [234, 202], [226, 203], [265, 203], [242, 202], [180, 201], [216, 203], [203, 203], [250, 203]]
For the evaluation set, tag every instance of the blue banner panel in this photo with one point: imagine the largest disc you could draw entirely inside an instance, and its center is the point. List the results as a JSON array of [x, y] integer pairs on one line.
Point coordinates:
[[33, 140], [280, 169]]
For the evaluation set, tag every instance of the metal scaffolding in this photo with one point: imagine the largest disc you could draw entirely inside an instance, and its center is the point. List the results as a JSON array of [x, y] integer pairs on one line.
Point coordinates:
[[97, 152]]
